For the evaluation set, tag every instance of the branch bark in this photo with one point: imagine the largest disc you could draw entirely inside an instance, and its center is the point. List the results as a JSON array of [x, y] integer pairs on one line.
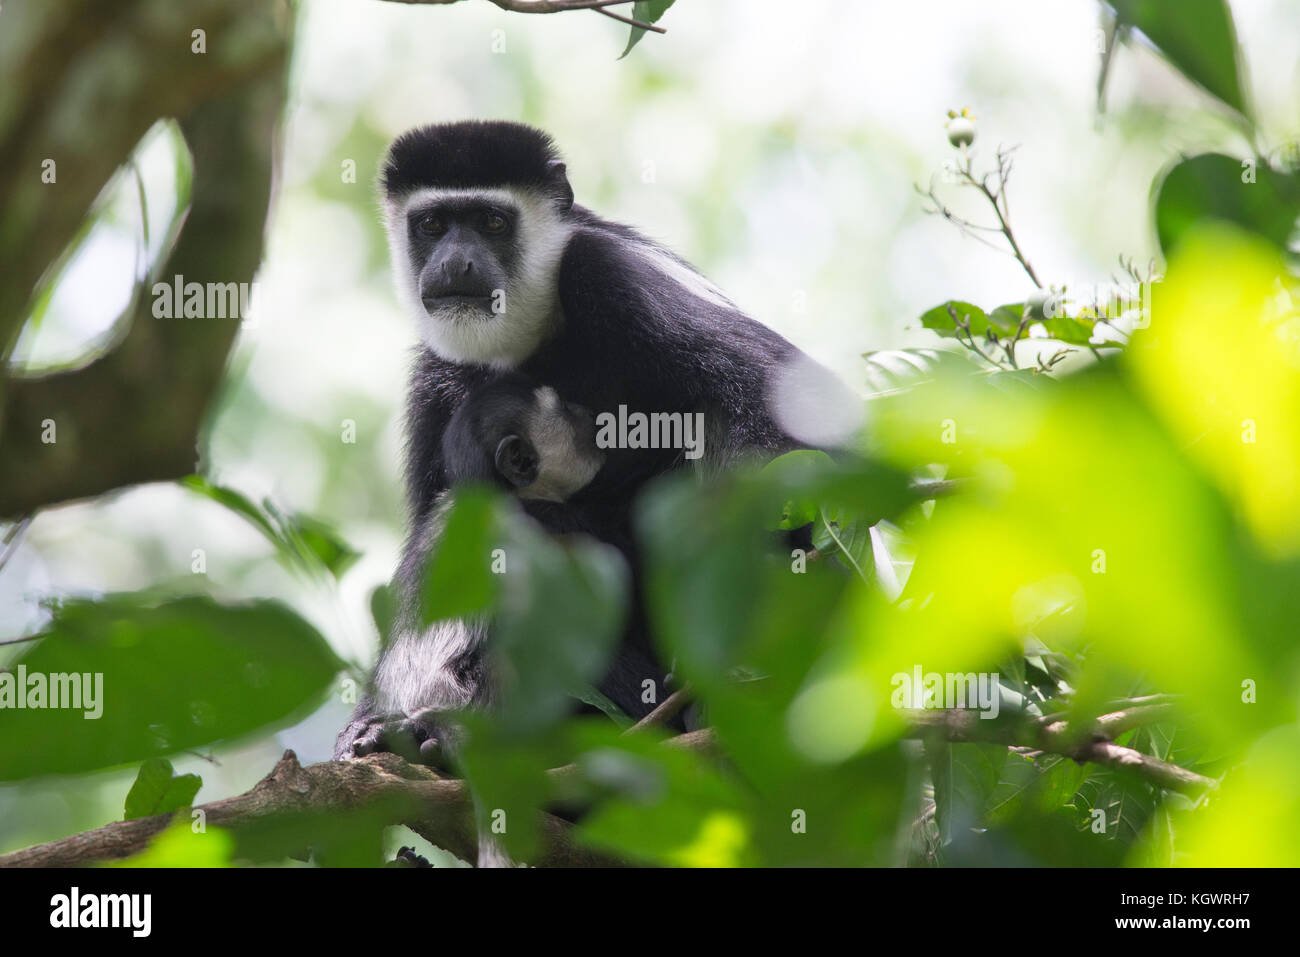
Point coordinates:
[[134, 414], [443, 811]]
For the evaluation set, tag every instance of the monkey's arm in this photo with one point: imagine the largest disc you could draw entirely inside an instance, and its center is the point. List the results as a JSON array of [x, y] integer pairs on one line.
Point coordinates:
[[438, 387]]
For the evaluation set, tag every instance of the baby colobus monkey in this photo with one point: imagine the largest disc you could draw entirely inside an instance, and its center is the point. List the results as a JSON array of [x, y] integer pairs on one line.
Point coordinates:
[[522, 436]]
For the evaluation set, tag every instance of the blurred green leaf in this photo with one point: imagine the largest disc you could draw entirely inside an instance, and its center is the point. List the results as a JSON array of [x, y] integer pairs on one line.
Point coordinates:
[[1198, 38], [332, 838], [459, 580], [300, 540], [1212, 186], [794, 469], [383, 610], [663, 805], [1220, 364], [181, 846], [163, 678], [315, 542], [560, 616]]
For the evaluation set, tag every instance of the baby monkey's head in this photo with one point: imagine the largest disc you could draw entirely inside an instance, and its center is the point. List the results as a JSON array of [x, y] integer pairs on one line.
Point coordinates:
[[513, 432]]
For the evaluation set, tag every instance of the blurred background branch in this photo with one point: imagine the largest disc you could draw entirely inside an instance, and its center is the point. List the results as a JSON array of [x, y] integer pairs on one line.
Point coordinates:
[[133, 415]]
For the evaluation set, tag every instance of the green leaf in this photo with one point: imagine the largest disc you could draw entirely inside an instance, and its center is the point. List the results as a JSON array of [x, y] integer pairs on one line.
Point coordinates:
[[942, 320], [179, 846], [156, 679], [1214, 186], [1006, 319], [316, 542], [238, 503], [647, 11], [665, 805], [458, 580], [795, 468], [1197, 37], [593, 697], [561, 614], [939, 753], [158, 790], [383, 610], [1075, 330], [848, 538], [298, 539]]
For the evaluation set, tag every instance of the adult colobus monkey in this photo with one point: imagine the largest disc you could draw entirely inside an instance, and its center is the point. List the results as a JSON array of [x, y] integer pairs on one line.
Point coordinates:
[[502, 271]]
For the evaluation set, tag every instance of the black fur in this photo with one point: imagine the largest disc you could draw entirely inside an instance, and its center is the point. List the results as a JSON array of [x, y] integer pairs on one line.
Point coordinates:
[[490, 413], [631, 336], [472, 153]]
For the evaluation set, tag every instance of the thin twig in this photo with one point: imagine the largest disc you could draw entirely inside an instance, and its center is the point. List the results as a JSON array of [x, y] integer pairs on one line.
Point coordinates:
[[13, 539], [552, 6], [665, 711], [629, 21]]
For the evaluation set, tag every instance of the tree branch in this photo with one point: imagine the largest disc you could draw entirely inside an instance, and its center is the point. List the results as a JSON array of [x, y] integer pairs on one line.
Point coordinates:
[[1058, 737], [134, 414], [552, 6], [667, 709], [444, 814]]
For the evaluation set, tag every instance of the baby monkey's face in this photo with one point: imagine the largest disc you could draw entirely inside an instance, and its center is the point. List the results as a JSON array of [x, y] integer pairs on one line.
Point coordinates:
[[554, 454]]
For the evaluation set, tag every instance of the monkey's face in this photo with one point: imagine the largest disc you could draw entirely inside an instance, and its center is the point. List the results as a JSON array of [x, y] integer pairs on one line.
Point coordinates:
[[477, 268], [461, 251]]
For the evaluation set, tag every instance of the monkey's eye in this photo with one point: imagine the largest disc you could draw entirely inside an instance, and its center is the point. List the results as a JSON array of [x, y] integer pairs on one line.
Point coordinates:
[[432, 225], [495, 223]]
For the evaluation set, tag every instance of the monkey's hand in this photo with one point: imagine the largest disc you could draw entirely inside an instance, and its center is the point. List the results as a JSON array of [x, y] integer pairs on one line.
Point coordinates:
[[418, 738]]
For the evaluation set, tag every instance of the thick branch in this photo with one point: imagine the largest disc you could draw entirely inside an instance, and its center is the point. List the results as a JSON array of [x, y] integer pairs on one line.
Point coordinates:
[[134, 414], [443, 811], [444, 816]]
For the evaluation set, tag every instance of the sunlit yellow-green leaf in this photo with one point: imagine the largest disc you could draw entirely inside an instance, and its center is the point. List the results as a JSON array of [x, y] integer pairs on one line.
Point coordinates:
[[1085, 527], [1253, 819], [179, 846], [1221, 362]]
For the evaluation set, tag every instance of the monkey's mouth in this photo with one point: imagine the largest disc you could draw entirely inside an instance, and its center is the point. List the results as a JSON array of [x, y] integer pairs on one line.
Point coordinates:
[[457, 302]]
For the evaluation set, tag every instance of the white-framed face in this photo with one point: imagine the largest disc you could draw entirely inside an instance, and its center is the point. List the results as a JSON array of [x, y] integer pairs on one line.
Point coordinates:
[[509, 241]]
